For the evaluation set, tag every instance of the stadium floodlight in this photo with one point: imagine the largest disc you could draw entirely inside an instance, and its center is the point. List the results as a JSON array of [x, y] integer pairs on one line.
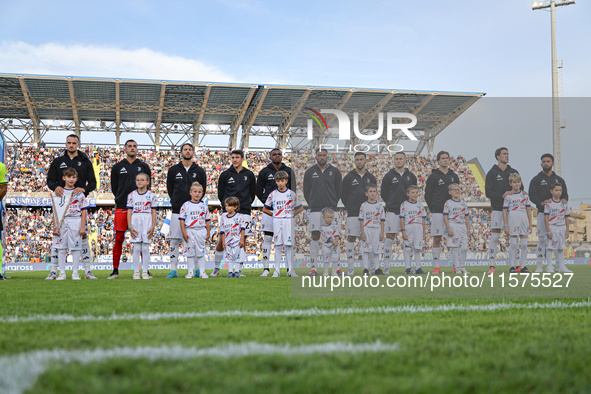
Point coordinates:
[[556, 143]]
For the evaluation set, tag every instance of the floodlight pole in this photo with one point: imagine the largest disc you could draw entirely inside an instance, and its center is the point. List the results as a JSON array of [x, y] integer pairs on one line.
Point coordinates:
[[538, 5]]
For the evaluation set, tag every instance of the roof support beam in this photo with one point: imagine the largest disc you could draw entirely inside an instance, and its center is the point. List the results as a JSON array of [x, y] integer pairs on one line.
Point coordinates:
[[159, 117], [295, 111], [370, 116], [238, 118], [76, 118], [199, 118], [117, 115], [32, 112], [250, 119], [341, 105], [415, 111]]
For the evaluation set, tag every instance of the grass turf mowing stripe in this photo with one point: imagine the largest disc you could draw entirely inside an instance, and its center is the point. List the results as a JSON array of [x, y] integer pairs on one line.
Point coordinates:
[[297, 312], [19, 373]]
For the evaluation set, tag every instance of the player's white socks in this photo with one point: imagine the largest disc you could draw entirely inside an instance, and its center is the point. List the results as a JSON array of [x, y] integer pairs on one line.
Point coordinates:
[[436, 255], [76, 261], [237, 267], [541, 252], [523, 252], [85, 254], [325, 266], [388, 244], [493, 245], [407, 256], [277, 258], [350, 256], [145, 257], [375, 257], [201, 262], [559, 254], [288, 256], [218, 259], [418, 258], [314, 253], [61, 258], [463, 256], [174, 253], [455, 254], [54, 259], [513, 247], [267, 239], [137, 251], [365, 260]]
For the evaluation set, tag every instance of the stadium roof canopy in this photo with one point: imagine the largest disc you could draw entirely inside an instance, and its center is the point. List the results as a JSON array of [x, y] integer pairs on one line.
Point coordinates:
[[36, 104]]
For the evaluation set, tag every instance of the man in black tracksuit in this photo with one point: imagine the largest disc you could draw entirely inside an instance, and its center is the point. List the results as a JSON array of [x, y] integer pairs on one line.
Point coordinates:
[[394, 186], [497, 187], [179, 179], [86, 183], [122, 183], [436, 194], [238, 182], [265, 185], [322, 189], [539, 194], [353, 195]]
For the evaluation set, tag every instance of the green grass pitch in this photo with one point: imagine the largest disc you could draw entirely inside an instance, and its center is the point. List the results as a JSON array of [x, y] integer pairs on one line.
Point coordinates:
[[509, 349]]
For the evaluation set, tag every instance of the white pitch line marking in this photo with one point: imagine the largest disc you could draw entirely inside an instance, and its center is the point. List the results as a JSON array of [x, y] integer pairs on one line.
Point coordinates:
[[297, 312], [19, 372]]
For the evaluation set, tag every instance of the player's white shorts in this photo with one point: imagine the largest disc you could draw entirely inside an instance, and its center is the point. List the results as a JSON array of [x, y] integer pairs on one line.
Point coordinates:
[[284, 232], [141, 223], [69, 237], [232, 254], [496, 220], [372, 243], [353, 228], [392, 225], [541, 230], [315, 220], [248, 230], [174, 231], [266, 223], [415, 236], [437, 224], [460, 237], [518, 223], [196, 244], [558, 241], [329, 254]]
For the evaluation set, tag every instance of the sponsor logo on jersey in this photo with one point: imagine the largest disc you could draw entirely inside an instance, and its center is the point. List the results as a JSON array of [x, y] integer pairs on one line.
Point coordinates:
[[123, 171], [63, 165], [543, 182], [270, 177], [194, 175], [499, 178], [231, 180], [179, 176], [139, 169], [315, 175], [441, 182], [245, 178], [354, 182], [79, 164]]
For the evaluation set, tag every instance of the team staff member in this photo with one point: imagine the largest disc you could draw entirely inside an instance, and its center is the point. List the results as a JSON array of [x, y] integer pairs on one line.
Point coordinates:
[[122, 183], [322, 189], [237, 181], [497, 187], [394, 192], [86, 183], [539, 194], [179, 179], [353, 195], [436, 194], [265, 185]]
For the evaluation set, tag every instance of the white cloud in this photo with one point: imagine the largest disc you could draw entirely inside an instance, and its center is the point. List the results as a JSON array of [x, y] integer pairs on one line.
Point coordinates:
[[103, 61]]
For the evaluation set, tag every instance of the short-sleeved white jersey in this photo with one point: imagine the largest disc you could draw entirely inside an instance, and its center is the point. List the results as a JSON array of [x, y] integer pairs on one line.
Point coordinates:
[[283, 204], [231, 226], [557, 213], [372, 214], [412, 212], [141, 203], [195, 214], [456, 211], [516, 202]]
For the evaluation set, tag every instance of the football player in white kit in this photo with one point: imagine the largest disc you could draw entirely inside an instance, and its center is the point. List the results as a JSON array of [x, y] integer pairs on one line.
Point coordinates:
[[517, 222], [232, 237], [412, 227], [195, 227], [457, 223], [283, 204], [68, 233], [556, 215], [372, 218], [141, 216]]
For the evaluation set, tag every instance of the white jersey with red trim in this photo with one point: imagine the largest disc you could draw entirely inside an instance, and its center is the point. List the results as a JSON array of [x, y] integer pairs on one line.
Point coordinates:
[[78, 203], [141, 203], [282, 203], [456, 211], [372, 214], [195, 214], [328, 234], [516, 202], [557, 213], [412, 212], [231, 226]]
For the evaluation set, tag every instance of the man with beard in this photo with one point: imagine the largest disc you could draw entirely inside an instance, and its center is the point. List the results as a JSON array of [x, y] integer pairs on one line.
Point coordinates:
[[394, 187], [179, 179], [353, 195], [322, 189], [265, 185], [122, 183]]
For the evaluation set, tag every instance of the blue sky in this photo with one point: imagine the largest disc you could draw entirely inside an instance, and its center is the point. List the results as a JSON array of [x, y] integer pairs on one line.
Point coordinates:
[[501, 48]]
